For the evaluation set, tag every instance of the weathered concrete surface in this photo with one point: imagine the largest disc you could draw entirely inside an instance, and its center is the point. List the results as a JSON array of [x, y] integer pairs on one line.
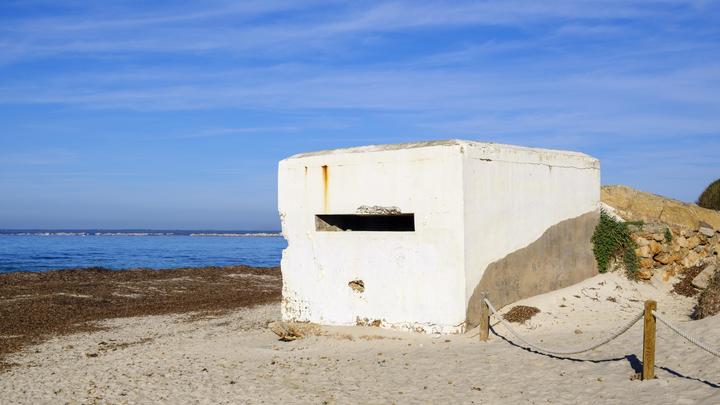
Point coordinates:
[[411, 280], [472, 204], [562, 256], [637, 205]]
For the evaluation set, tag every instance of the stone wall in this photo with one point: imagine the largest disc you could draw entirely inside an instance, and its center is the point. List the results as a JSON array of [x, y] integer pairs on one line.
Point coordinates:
[[687, 248], [695, 231]]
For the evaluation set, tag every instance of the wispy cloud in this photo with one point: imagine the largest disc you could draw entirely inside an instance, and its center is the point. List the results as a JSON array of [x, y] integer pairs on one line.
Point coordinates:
[[221, 132], [286, 26], [580, 74]]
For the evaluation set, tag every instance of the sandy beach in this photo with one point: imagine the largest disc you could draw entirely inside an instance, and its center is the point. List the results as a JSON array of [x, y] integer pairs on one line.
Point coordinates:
[[232, 357], [36, 305]]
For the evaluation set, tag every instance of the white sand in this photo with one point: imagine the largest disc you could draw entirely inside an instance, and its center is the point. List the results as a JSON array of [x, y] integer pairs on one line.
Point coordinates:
[[235, 359]]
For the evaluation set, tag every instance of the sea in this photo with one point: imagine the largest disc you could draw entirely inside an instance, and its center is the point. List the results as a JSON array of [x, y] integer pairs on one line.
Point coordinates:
[[43, 250]]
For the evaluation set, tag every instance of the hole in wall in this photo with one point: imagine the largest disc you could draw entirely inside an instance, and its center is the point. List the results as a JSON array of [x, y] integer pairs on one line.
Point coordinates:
[[357, 285], [367, 223]]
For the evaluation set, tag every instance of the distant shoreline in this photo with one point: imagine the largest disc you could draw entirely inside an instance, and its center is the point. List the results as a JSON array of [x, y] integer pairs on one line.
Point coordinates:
[[138, 232]]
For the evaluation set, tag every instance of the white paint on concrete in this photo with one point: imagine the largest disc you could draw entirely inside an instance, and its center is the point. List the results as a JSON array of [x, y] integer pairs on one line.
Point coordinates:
[[473, 204]]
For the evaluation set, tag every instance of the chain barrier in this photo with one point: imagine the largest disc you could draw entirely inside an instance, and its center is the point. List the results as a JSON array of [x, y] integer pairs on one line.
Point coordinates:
[[695, 341], [539, 348]]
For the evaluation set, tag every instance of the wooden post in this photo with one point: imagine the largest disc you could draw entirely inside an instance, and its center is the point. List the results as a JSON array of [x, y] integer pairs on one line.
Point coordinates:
[[648, 372], [484, 318]]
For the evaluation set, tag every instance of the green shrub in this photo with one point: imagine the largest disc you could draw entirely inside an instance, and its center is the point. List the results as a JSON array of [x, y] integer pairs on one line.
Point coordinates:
[[710, 198], [668, 235], [611, 241]]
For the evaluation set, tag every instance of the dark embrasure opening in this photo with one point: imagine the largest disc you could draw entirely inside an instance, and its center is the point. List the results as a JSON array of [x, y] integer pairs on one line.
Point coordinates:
[[365, 223]]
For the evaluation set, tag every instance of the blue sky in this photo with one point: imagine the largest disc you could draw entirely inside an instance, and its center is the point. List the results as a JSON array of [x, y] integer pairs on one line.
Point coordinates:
[[169, 114]]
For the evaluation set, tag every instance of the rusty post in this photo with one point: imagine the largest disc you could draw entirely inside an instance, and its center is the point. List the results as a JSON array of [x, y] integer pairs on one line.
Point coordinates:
[[484, 318], [648, 372]]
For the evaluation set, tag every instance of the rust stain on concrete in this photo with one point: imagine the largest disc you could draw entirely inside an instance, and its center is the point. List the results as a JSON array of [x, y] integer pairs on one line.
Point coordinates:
[[325, 177]]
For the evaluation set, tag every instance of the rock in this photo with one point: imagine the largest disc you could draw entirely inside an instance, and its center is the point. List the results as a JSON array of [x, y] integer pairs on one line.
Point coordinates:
[[634, 205], [655, 247], [693, 241], [702, 280], [691, 259], [666, 258], [644, 274], [658, 237], [709, 300], [681, 241], [647, 263], [288, 331], [641, 241], [709, 232], [643, 252], [675, 212]]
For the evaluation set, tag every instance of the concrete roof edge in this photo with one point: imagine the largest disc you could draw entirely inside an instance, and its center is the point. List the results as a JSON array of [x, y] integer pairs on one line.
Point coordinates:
[[434, 143]]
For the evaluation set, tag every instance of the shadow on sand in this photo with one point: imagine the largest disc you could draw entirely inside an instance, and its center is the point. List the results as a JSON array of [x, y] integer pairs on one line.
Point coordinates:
[[632, 360]]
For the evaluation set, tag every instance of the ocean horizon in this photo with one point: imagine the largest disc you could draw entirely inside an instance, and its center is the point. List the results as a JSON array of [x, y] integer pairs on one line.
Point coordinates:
[[50, 249]]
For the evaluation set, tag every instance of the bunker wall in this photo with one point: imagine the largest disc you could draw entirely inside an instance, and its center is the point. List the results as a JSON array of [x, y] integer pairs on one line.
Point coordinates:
[[403, 279], [529, 216]]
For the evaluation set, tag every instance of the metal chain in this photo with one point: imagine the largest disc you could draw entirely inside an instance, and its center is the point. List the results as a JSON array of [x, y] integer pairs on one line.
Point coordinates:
[[689, 338], [564, 352]]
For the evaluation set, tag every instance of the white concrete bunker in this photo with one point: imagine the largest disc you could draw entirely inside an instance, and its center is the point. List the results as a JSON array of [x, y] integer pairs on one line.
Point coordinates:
[[407, 236]]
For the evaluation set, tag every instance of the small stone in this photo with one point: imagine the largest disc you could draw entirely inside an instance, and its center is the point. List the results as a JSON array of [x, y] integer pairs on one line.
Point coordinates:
[[691, 259], [692, 242], [682, 241], [655, 247], [644, 251], [701, 280], [288, 331], [658, 237], [709, 232], [647, 263], [666, 258], [578, 332], [641, 241], [645, 274]]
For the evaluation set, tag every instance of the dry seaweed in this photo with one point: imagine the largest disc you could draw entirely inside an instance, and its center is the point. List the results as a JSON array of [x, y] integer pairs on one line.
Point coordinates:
[[35, 306], [520, 314]]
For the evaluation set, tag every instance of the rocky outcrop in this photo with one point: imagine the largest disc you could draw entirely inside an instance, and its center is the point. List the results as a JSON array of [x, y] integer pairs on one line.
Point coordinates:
[[635, 205], [675, 236], [702, 280]]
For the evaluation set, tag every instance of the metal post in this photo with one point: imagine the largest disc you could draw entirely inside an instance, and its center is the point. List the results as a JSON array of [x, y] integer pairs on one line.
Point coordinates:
[[648, 372]]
